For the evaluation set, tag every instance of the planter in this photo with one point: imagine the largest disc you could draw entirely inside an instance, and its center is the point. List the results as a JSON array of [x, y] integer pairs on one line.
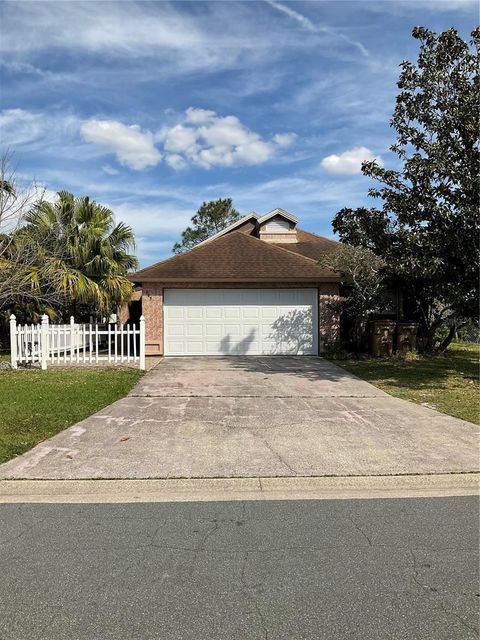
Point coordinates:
[[380, 337]]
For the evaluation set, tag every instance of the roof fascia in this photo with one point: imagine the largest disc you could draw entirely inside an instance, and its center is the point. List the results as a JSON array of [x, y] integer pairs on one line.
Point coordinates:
[[278, 212], [319, 278]]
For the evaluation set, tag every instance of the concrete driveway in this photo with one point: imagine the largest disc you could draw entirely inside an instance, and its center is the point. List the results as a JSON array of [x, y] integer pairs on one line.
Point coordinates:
[[253, 417]]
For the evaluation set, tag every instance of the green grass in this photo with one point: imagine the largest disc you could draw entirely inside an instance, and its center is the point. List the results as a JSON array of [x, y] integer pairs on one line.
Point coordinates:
[[447, 382], [35, 405]]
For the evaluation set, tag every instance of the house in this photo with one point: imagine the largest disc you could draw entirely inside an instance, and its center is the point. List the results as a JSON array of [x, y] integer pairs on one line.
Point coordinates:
[[254, 288]]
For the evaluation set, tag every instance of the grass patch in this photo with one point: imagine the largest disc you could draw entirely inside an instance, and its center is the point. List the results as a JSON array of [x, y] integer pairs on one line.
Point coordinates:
[[448, 382], [35, 405]]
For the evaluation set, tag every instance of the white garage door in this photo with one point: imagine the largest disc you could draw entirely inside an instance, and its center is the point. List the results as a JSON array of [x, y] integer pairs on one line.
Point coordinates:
[[240, 321]]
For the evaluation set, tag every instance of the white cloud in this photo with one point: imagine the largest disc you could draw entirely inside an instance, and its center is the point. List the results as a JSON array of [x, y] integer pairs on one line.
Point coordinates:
[[180, 139], [199, 116], [202, 139], [20, 126], [109, 170], [284, 139], [132, 28], [305, 22], [206, 139], [165, 219], [184, 41], [349, 162], [309, 25], [134, 148], [175, 161], [23, 127], [432, 5]]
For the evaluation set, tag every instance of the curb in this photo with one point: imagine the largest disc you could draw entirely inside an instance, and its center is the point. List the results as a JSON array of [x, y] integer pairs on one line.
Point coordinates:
[[225, 489]]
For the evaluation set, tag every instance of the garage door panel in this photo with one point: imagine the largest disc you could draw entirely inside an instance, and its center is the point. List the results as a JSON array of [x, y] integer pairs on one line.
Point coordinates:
[[235, 331], [177, 313], [177, 330], [240, 321], [213, 313], [214, 331], [193, 346], [194, 330], [193, 313], [231, 313], [177, 347], [251, 312]]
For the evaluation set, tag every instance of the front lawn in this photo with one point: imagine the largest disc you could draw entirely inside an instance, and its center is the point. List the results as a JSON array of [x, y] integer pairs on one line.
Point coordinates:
[[448, 382], [35, 405]]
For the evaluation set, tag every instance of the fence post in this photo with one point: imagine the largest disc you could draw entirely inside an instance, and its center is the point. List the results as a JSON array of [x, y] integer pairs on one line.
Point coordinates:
[[142, 343], [44, 342], [72, 338], [13, 341]]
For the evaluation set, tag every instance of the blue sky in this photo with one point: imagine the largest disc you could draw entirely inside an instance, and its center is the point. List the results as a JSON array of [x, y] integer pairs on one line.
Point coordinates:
[[153, 107]]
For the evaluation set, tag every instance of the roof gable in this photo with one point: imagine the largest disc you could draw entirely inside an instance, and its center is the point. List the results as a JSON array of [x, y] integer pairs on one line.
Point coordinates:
[[236, 256], [255, 219], [278, 212]]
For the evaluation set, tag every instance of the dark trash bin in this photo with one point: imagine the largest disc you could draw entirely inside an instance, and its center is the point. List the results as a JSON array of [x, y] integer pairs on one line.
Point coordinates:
[[380, 337], [406, 337]]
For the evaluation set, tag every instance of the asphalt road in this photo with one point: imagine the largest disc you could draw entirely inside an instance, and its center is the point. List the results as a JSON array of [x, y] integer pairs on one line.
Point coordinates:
[[368, 569]]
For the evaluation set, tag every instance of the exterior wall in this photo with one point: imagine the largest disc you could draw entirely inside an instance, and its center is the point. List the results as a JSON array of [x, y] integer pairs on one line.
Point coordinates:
[[328, 320], [152, 310], [152, 307], [279, 230], [282, 238]]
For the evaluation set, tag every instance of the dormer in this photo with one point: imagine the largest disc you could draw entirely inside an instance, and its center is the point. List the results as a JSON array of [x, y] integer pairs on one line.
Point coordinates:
[[277, 226]]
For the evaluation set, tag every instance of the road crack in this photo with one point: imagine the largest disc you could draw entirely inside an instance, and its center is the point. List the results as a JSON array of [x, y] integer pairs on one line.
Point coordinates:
[[248, 591], [427, 590]]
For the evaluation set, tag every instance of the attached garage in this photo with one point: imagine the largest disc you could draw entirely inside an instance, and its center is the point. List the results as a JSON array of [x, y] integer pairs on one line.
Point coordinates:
[[254, 288], [240, 321]]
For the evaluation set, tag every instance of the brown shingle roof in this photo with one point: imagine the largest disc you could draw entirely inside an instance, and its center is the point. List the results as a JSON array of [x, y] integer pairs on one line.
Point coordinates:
[[310, 245], [237, 257]]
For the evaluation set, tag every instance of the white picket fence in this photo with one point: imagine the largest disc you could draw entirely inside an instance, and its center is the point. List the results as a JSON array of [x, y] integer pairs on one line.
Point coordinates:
[[71, 344]]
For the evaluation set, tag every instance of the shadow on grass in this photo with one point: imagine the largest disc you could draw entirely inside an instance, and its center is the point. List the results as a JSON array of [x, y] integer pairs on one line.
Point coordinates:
[[458, 366]]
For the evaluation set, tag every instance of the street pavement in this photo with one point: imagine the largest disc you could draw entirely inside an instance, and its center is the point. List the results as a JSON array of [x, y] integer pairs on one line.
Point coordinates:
[[383, 569]]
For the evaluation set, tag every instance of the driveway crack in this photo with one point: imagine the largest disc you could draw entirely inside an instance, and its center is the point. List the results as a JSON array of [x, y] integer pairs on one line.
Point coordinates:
[[275, 453]]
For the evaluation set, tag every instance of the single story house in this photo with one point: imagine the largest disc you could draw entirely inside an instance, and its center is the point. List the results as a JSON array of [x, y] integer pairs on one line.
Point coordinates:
[[254, 288]]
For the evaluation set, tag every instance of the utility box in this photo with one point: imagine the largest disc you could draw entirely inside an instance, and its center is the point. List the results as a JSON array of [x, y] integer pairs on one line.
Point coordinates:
[[406, 339], [380, 337]]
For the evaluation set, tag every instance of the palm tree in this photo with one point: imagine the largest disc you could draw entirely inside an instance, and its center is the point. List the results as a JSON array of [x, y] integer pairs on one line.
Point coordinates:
[[86, 255]]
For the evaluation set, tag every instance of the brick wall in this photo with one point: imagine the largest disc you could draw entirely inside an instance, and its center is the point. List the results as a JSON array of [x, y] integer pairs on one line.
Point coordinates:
[[328, 320], [152, 310]]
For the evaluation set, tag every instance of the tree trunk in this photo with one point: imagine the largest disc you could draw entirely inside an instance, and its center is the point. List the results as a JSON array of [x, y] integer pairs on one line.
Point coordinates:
[[451, 335], [358, 334], [446, 341]]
